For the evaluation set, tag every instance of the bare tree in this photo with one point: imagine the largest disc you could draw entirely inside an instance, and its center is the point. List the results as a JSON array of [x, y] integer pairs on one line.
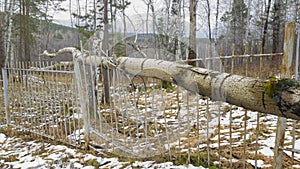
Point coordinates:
[[217, 21], [99, 28], [174, 28], [276, 26], [27, 38], [192, 34], [100, 44], [154, 26], [21, 2], [248, 21], [265, 30], [208, 10], [2, 54], [9, 60]]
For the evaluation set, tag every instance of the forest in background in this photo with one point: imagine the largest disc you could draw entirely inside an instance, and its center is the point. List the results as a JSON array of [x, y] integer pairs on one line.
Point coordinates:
[[27, 30]]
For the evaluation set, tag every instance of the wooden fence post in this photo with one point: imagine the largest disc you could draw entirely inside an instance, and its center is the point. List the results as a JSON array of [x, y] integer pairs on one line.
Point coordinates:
[[286, 72]]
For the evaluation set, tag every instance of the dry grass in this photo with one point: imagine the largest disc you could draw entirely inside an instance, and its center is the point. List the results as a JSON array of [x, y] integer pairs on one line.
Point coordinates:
[[264, 69], [65, 127]]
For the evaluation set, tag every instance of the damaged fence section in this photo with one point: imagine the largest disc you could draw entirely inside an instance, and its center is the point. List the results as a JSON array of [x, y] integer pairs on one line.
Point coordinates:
[[123, 111], [144, 117], [43, 101]]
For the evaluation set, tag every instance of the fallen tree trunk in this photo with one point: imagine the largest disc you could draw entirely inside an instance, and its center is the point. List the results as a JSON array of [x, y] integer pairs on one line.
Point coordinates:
[[276, 97]]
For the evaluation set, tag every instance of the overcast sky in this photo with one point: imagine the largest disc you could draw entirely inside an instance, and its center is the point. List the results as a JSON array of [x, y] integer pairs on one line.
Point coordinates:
[[136, 12], [136, 6]]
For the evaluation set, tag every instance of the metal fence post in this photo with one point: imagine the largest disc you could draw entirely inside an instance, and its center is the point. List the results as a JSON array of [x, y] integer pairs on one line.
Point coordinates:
[[286, 72], [80, 77], [6, 99], [297, 53]]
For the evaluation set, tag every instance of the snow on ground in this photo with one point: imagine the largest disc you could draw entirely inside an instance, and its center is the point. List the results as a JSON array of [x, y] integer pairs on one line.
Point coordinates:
[[18, 153]]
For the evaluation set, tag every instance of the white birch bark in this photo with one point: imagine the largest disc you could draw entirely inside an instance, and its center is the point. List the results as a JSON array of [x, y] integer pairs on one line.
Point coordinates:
[[246, 92], [8, 45], [99, 28]]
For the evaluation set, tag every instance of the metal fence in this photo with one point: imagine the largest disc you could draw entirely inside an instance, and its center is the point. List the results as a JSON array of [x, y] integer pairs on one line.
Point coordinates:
[[142, 117], [41, 101]]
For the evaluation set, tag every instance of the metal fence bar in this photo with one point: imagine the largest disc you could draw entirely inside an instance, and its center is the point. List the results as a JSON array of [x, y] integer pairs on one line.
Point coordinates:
[[297, 53], [5, 92], [296, 78], [251, 55]]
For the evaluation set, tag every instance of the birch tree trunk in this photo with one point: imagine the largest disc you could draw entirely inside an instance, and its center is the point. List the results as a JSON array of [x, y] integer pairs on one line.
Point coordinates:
[[99, 43], [99, 28], [280, 97], [277, 97], [8, 44]]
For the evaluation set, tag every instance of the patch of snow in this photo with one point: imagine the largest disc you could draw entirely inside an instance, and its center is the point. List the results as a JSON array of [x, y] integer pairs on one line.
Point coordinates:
[[260, 163], [164, 165], [77, 115], [2, 138], [71, 152], [233, 136], [37, 162], [266, 151], [57, 157], [77, 135], [216, 145], [89, 157], [267, 166], [296, 166], [145, 164], [88, 167], [270, 141], [77, 165], [297, 144], [60, 148]]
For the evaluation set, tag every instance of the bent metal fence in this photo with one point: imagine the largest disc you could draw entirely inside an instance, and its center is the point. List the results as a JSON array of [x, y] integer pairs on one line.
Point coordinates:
[[42, 101], [142, 117]]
